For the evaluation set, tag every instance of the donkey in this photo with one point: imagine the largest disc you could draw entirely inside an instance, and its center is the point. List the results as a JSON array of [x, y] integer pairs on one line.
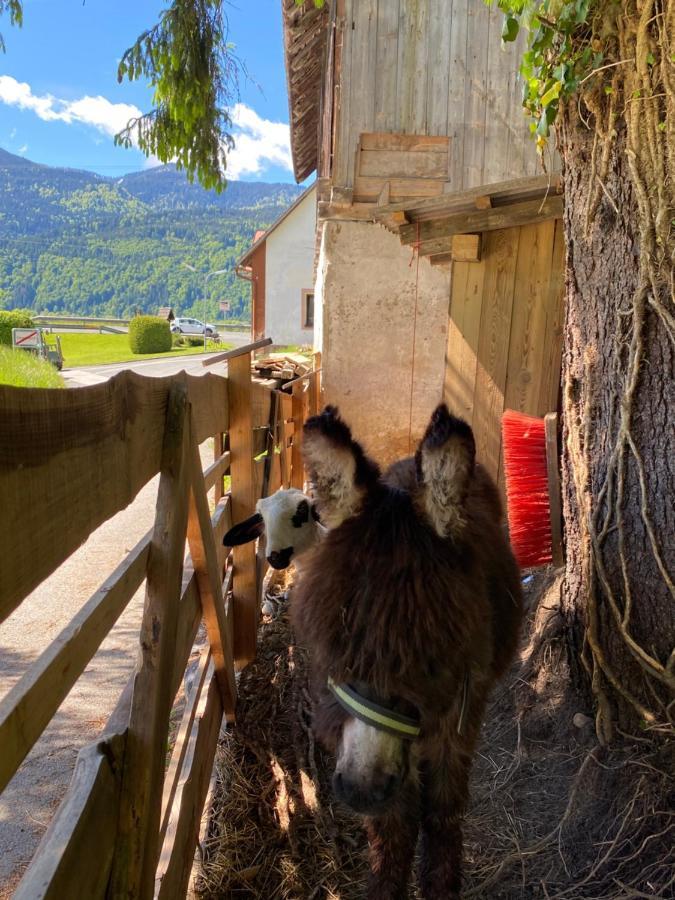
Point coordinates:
[[410, 608]]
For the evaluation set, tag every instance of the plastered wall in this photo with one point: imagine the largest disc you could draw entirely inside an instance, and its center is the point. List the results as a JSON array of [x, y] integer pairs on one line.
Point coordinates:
[[368, 333]]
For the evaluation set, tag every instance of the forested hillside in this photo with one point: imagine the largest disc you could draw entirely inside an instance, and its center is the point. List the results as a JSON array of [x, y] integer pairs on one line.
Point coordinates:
[[79, 243]]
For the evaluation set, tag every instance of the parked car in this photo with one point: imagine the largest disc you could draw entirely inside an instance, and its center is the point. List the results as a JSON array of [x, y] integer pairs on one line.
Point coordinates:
[[183, 325]]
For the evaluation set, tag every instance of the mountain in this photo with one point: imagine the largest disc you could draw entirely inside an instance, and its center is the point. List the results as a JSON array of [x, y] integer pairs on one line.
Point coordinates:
[[79, 243]]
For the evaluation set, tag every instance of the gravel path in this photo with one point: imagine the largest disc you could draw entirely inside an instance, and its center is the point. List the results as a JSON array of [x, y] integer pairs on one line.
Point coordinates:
[[30, 799]]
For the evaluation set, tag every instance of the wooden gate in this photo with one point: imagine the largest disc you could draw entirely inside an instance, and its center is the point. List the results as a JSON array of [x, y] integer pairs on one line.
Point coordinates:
[[505, 332], [69, 460]]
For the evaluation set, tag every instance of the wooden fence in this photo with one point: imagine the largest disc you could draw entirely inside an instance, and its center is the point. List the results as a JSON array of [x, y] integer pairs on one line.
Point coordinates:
[[69, 460]]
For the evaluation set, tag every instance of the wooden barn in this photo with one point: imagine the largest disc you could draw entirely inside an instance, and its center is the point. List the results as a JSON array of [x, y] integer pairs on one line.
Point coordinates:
[[440, 264]]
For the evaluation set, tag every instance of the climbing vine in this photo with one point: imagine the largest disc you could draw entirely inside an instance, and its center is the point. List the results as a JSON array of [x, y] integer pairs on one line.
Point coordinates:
[[614, 61]]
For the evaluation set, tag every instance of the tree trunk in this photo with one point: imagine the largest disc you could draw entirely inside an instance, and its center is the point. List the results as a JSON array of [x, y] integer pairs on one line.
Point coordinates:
[[618, 456]]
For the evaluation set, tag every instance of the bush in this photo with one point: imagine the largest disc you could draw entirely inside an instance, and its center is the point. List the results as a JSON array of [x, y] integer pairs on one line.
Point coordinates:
[[23, 369], [13, 318], [149, 334]]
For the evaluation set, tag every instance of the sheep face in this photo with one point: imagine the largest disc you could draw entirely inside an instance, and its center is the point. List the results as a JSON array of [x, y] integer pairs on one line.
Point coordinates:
[[290, 525]]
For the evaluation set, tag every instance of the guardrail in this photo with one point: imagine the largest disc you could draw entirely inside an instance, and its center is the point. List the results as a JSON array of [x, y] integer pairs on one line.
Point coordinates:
[[128, 826]]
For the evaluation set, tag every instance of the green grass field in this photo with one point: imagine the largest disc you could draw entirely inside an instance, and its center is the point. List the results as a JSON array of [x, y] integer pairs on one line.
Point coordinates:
[[80, 349], [22, 369]]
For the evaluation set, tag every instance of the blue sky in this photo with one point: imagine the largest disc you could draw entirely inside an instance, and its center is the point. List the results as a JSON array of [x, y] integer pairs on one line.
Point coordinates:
[[60, 102]]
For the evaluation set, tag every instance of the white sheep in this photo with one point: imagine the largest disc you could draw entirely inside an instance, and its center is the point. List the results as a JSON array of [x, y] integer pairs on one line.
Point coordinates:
[[290, 523]]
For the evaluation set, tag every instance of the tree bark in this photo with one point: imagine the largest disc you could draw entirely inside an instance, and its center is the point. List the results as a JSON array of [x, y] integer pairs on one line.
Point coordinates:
[[611, 557]]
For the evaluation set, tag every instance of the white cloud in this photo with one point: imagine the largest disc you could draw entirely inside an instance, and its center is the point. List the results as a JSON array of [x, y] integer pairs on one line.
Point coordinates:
[[12, 134], [97, 112], [259, 143], [23, 149]]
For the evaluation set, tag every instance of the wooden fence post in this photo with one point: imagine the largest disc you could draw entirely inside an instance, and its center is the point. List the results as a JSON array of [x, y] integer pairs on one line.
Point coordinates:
[[137, 848], [299, 406], [241, 469]]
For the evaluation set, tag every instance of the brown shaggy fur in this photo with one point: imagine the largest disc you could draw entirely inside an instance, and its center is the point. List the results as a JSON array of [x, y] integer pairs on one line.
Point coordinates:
[[386, 602]]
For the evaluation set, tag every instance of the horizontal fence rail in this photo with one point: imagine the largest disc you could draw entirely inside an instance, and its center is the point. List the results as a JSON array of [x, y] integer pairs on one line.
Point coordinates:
[[70, 460]]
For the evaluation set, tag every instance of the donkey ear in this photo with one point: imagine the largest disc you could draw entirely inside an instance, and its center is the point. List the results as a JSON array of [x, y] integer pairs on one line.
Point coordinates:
[[245, 531], [337, 465], [445, 463]]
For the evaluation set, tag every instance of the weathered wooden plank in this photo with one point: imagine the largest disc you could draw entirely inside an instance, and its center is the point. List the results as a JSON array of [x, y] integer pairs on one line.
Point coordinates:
[[502, 193], [412, 68], [137, 847], [549, 388], [353, 212], [404, 142], [364, 54], [386, 62], [524, 213], [457, 77], [242, 492], [205, 562], [345, 139], [466, 303], [440, 24], [69, 460], [182, 831], [528, 352], [180, 746], [500, 252], [368, 188], [299, 402], [476, 59], [28, 708], [76, 852], [502, 66], [246, 350], [403, 164]]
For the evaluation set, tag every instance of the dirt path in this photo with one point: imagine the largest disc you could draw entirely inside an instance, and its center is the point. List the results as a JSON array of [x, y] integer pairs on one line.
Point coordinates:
[[30, 799]]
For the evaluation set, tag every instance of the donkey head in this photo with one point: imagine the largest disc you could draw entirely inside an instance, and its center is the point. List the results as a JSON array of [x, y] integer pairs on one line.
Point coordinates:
[[289, 522], [421, 504]]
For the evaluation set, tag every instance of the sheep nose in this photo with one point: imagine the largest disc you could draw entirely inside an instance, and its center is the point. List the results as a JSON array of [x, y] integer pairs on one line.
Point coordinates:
[[280, 559]]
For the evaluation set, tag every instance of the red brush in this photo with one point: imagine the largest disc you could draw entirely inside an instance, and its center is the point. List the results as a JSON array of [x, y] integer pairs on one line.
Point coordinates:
[[532, 488]]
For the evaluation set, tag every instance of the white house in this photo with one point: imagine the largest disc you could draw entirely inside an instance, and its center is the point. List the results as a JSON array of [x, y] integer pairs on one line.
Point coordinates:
[[280, 267]]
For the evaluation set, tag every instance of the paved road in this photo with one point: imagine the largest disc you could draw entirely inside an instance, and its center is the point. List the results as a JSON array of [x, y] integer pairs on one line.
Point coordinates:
[[80, 376]]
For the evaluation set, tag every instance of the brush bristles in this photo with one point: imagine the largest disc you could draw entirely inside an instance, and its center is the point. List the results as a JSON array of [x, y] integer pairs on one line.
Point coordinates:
[[524, 442]]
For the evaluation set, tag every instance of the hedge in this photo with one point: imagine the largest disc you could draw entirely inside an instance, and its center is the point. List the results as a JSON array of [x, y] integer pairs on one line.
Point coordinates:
[[13, 318], [149, 334]]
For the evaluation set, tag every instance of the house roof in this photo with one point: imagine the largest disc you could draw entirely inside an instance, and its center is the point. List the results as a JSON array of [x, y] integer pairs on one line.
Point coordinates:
[[305, 38], [261, 236]]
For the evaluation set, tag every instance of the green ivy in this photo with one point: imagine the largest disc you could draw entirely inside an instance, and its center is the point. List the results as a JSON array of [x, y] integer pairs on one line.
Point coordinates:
[[561, 52]]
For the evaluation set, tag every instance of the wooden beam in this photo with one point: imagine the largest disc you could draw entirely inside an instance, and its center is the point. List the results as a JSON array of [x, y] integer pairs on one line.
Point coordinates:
[[466, 247], [483, 202], [77, 850], [205, 563], [238, 351], [185, 813], [28, 708], [213, 475], [524, 213], [242, 492], [137, 847]]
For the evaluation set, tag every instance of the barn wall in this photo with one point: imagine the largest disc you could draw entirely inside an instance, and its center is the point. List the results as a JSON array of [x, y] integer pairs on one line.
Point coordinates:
[[289, 269], [368, 321], [505, 332], [433, 67]]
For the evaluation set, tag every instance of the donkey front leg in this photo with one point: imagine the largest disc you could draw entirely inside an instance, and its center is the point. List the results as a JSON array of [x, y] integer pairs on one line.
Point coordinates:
[[445, 793], [392, 839]]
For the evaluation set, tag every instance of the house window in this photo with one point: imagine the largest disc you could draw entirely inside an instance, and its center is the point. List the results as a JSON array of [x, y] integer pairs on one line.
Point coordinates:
[[308, 309]]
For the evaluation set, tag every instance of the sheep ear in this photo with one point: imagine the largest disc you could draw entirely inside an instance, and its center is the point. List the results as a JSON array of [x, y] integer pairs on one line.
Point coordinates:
[[341, 472], [445, 463], [245, 531]]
